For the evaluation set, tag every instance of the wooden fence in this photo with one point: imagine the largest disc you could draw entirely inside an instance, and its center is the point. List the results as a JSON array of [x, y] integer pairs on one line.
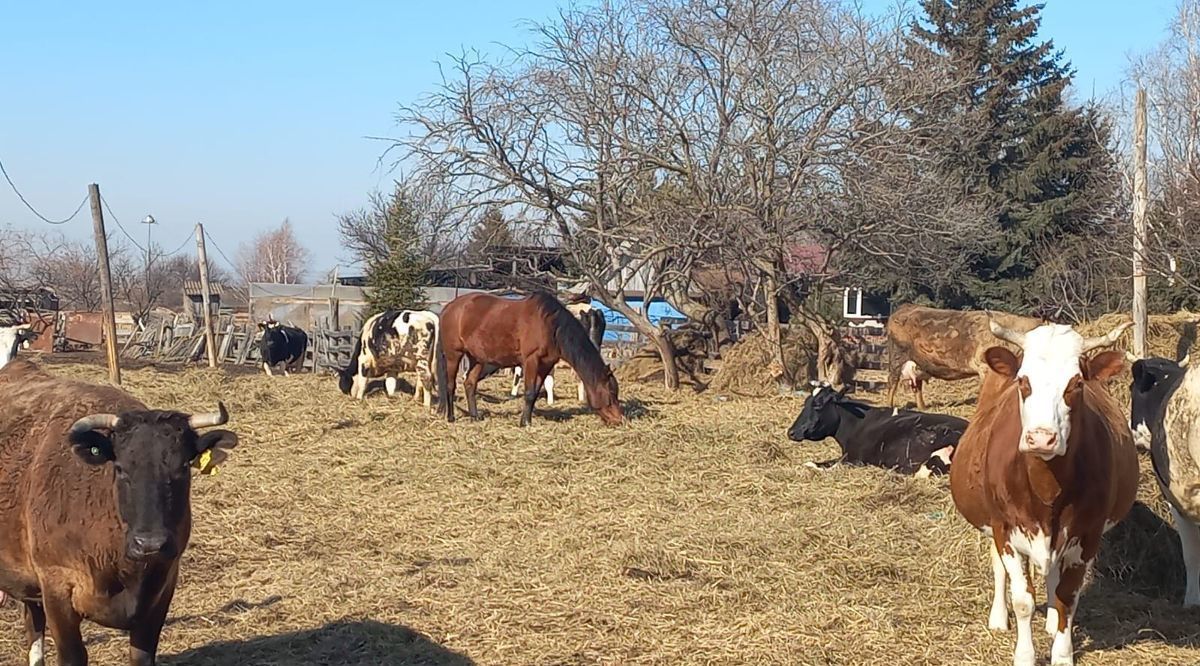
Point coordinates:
[[237, 344]]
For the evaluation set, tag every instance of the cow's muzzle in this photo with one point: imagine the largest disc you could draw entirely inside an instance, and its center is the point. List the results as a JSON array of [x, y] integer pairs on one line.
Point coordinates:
[[1041, 442], [149, 546]]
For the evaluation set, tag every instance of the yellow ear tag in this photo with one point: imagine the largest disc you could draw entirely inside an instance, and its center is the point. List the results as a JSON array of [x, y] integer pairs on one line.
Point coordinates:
[[204, 463]]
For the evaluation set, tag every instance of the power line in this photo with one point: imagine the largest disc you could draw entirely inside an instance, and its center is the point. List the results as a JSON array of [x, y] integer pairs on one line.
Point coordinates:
[[221, 252], [30, 206], [187, 239], [160, 255], [121, 226]]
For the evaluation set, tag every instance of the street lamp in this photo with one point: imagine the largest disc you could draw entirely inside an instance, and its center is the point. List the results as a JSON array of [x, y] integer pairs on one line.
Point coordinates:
[[149, 222]]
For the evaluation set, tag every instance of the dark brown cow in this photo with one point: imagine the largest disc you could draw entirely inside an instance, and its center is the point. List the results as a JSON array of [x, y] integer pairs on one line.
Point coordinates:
[[926, 343], [94, 508], [1046, 466]]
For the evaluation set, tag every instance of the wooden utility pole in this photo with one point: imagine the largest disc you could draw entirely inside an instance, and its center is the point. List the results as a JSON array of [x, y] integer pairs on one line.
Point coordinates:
[[106, 295], [210, 343], [1140, 203]]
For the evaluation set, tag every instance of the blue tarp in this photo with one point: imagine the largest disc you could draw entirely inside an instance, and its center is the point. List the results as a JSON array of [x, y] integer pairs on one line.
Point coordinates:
[[658, 310]]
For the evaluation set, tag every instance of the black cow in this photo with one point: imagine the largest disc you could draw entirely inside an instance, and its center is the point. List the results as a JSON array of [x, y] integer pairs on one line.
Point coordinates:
[[905, 441], [281, 344]]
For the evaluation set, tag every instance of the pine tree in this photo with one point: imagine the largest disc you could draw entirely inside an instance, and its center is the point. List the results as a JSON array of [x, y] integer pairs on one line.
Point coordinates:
[[395, 279], [1036, 161], [492, 230]]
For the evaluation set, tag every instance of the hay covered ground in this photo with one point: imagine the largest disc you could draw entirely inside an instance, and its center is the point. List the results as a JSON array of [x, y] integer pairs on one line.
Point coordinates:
[[343, 533]]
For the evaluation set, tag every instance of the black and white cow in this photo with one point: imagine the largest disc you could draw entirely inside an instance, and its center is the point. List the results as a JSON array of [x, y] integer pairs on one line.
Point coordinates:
[[905, 441], [392, 342], [281, 344], [1165, 418], [593, 322], [13, 338]]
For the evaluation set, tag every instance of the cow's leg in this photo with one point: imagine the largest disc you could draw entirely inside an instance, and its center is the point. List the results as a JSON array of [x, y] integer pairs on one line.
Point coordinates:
[[548, 385], [580, 391], [267, 369], [1052, 576], [390, 384], [143, 638], [998, 618], [1022, 604], [470, 384], [918, 389], [426, 387], [1066, 600], [63, 623], [893, 383], [1189, 538], [516, 383], [35, 633]]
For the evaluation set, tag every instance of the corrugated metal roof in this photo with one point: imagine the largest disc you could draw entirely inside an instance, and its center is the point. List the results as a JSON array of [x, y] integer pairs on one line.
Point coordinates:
[[192, 288]]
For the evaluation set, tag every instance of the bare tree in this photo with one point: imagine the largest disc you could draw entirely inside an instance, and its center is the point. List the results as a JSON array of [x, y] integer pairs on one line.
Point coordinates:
[[658, 137], [275, 255], [440, 222], [1171, 76]]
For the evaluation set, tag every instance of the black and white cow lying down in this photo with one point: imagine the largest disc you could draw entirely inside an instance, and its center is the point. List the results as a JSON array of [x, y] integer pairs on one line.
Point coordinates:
[[905, 441], [281, 344]]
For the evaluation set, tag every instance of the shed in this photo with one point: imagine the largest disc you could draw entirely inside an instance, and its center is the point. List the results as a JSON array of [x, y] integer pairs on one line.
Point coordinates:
[[193, 299]]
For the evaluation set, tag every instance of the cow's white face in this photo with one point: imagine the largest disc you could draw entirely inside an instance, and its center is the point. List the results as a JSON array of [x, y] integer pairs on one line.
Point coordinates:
[[1049, 373]]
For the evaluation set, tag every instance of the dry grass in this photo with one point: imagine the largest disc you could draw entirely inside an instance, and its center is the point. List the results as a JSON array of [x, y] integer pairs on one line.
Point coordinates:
[[344, 533]]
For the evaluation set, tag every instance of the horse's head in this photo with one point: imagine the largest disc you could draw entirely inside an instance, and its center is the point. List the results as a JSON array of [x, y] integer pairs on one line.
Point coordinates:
[[603, 398]]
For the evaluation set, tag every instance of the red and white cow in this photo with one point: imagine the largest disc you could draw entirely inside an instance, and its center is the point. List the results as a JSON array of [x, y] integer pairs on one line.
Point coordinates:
[[1046, 466]]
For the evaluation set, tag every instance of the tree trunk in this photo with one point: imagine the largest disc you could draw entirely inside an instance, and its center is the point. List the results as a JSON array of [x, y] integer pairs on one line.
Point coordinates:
[[774, 331], [640, 321], [666, 351]]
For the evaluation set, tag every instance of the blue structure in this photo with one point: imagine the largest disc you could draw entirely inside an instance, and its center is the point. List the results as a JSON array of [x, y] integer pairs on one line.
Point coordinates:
[[657, 311]]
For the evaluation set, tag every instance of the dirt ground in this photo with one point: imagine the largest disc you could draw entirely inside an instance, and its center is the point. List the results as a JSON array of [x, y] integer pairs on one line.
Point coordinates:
[[347, 533]]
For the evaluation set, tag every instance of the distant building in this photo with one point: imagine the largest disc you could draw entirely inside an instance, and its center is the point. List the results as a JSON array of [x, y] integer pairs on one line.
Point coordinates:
[[193, 299]]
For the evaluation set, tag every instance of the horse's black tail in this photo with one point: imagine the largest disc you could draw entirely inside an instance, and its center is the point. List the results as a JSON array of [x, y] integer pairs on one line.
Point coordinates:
[[443, 379]]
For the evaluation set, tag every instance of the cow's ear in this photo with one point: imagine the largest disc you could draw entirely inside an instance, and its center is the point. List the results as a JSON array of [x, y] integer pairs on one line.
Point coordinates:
[[92, 446], [216, 439], [1105, 365], [1002, 361]]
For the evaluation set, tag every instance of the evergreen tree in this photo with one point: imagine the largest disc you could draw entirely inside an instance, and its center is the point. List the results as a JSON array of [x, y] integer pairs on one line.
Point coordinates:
[[1038, 163], [395, 277], [492, 230]]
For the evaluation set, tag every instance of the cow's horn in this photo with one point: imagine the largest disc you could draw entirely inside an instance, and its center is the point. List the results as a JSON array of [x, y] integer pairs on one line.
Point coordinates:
[[1131, 357], [1105, 340], [220, 417], [1183, 362], [1006, 334], [95, 422]]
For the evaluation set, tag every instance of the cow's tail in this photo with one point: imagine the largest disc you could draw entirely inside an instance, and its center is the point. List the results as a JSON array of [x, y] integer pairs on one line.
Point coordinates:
[[346, 375]]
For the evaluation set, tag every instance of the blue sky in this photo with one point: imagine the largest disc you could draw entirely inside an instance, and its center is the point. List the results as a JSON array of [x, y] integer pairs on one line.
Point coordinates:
[[241, 114]]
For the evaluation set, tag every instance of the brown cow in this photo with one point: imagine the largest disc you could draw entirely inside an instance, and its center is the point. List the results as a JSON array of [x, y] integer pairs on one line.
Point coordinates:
[[926, 343], [94, 508], [1046, 466]]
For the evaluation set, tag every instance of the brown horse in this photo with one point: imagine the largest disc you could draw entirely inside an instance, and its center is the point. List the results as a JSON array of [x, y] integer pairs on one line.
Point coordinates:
[[532, 333]]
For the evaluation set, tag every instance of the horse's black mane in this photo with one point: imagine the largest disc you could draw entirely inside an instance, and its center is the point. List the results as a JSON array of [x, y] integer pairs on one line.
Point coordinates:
[[573, 341]]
